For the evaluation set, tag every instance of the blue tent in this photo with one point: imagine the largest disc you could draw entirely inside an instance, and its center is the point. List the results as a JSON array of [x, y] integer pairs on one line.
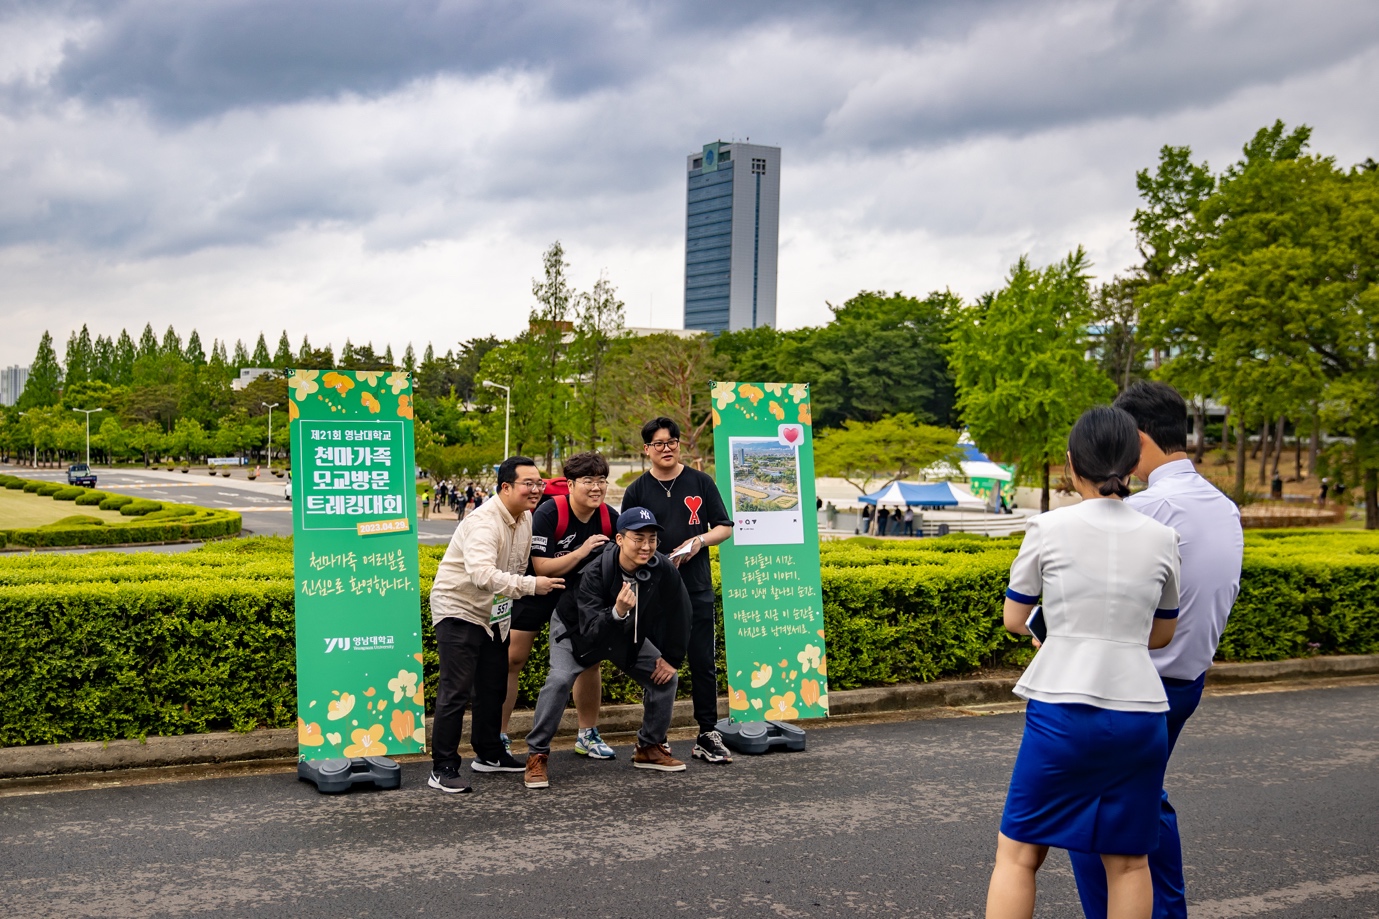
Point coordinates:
[[937, 494]]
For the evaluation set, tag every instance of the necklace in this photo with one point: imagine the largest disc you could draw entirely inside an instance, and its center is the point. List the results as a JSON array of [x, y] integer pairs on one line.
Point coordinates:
[[666, 488]]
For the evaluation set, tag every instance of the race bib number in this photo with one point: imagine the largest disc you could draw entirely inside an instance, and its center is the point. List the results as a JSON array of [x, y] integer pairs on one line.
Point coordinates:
[[501, 610]]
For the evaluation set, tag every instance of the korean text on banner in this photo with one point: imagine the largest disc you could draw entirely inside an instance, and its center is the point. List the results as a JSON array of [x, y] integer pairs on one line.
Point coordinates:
[[773, 612], [359, 686]]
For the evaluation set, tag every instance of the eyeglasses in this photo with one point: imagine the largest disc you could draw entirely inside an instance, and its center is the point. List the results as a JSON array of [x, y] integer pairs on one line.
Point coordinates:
[[536, 485], [638, 539], [589, 481], [664, 446]]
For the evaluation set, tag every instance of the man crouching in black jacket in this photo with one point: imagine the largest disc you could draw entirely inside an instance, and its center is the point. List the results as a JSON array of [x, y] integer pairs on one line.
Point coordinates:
[[631, 610]]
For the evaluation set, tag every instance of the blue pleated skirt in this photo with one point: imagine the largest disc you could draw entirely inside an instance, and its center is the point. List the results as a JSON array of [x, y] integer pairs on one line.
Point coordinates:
[[1088, 779]]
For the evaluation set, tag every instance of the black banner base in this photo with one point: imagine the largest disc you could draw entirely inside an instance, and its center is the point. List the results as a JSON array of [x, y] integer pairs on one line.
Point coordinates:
[[755, 737], [336, 776]]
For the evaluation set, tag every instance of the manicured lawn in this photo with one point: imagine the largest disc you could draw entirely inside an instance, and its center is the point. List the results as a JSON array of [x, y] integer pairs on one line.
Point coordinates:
[[19, 509]]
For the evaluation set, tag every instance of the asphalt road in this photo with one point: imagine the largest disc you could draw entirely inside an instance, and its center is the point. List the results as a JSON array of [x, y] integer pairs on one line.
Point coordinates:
[[1277, 794], [262, 504]]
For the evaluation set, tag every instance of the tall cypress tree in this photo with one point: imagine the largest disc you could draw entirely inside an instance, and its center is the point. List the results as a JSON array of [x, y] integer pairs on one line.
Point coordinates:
[[102, 359], [78, 357], [148, 343], [194, 354], [241, 358], [45, 377], [122, 363], [282, 358], [261, 356], [347, 354], [172, 344], [409, 359], [304, 353], [388, 357]]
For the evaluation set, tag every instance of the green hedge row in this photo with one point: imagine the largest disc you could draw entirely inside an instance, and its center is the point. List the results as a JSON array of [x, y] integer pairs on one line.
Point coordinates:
[[104, 646]]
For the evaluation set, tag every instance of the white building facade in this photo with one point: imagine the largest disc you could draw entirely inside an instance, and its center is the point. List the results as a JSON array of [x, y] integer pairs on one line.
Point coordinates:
[[12, 381]]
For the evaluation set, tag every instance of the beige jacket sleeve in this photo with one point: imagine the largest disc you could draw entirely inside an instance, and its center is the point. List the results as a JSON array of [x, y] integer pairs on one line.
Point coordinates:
[[483, 551]]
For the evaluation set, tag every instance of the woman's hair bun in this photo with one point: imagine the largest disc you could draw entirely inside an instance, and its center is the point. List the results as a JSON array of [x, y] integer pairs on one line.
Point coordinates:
[[1115, 484]]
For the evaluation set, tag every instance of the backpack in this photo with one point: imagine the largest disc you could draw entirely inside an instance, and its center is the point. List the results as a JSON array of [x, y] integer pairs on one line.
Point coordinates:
[[562, 518]]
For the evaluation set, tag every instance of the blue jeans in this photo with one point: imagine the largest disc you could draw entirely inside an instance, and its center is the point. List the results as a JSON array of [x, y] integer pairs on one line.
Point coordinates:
[[1165, 862]]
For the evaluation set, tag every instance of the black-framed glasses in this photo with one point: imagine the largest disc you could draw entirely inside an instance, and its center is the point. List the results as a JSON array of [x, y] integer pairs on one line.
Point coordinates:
[[589, 481], [664, 445]]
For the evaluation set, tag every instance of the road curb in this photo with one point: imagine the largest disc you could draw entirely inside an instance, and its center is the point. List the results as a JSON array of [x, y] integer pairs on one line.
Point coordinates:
[[228, 747]]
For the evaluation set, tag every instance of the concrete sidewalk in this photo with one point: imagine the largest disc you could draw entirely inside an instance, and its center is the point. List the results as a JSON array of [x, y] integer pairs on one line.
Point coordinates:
[[940, 698]]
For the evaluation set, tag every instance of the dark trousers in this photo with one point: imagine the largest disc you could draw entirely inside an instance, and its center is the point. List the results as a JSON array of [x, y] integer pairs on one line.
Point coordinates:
[[1165, 862], [474, 669], [702, 665]]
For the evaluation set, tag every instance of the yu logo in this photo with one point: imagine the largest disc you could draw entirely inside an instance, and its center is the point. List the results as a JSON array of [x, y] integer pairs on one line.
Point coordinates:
[[332, 644]]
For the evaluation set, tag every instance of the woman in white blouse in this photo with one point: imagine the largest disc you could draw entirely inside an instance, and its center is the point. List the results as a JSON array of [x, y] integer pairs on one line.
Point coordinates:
[[1091, 763]]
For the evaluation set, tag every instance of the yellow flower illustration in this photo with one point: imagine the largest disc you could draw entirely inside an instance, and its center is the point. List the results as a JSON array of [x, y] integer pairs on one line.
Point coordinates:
[[809, 691], [761, 677], [368, 376], [781, 707], [303, 383], [338, 382], [309, 735], [367, 742], [737, 700], [339, 708], [723, 394], [404, 724], [805, 416], [716, 419], [398, 381], [419, 735], [334, 738], [823, 665], [774, 389], [799, 392], [809, 657], [370, 402], [404, 406], [404, 684], [756, 704], [775, 409], [420, 697], [293, 413], [748, 391]]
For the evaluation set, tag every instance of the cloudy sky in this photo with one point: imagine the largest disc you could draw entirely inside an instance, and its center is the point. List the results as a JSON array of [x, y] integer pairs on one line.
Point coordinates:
[[391, 171]]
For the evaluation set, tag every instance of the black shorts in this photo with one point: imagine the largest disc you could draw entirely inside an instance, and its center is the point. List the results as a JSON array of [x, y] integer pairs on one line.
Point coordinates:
[[530, 617]]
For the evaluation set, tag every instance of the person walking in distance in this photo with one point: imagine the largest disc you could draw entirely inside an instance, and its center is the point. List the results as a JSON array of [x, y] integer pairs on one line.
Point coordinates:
[[1212, 546], [471, 609], [1095, 744], [568, 532], [691, 513], [631, 610]]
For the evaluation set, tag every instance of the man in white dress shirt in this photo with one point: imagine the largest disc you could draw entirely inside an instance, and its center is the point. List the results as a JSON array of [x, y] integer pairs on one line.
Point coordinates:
[[1211, 543]]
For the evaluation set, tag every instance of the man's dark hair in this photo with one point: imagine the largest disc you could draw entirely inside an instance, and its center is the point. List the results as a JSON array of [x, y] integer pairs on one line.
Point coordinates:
[[656, 424], [582, 464], [507, 470], [1105, 449], [1158, 411]]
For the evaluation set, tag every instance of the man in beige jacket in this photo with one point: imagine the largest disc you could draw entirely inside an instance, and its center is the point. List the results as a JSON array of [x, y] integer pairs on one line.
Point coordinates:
[[471, 608]]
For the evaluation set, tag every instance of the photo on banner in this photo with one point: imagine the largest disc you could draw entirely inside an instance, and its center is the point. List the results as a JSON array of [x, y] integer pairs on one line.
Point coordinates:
[[773, 616], [358, 595]]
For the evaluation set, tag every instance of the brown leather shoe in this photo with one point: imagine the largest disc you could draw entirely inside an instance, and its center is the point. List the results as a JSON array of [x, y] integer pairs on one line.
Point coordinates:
[[535, 774], [656, 756]]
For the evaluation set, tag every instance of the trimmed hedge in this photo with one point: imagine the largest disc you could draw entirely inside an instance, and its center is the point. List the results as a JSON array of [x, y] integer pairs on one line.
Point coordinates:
[[71, 493], [115, 502], [33, 487], [139, 507], [92, 498], [48, 489], [104, 646], [151, 522]]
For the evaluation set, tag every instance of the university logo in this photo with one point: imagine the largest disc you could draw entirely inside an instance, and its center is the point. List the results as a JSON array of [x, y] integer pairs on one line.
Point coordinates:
[[333, 643]]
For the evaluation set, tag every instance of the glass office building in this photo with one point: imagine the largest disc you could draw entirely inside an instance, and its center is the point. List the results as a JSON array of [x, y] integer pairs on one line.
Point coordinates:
[[732, 231]]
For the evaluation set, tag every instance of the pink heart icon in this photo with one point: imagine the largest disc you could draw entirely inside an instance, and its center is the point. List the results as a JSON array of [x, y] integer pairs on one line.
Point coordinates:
[[791, 434]]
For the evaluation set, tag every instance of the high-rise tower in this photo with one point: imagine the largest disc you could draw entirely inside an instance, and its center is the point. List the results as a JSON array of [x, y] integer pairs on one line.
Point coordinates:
[[732, 230]]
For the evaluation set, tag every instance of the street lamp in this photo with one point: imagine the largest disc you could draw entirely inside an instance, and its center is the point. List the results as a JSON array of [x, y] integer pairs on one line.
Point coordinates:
[[270, 432], [88, 412], [21, 415], [507, 415]]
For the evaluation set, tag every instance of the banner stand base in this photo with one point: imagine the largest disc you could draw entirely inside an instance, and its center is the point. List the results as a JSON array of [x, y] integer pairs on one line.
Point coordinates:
[[755, 737], [335, 776]]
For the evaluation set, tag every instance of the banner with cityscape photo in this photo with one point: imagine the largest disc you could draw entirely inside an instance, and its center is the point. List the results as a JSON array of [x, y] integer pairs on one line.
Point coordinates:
[[359, 688], [773, 613]]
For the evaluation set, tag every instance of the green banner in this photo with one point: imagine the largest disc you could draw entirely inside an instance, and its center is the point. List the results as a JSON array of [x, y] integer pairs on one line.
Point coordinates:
[[773, 608], [359, 690]]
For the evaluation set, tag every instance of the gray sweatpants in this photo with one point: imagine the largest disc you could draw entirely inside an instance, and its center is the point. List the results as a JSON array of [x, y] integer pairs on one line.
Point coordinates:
[[658, 702]]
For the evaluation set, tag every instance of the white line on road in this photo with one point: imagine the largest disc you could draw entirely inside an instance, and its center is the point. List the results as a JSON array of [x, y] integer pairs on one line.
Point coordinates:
[[1259, 904]]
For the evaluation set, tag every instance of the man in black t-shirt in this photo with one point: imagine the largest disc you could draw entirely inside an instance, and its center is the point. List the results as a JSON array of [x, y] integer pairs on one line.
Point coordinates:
[[689, 508], [567, 532]]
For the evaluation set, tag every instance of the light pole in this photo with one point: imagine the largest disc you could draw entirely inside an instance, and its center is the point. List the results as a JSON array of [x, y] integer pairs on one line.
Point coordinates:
[[88, 412], [21, 415], [270, 432], [507, 414]]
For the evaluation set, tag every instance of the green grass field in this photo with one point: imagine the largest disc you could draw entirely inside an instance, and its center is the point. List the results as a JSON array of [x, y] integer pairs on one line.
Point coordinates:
[[19, 509]]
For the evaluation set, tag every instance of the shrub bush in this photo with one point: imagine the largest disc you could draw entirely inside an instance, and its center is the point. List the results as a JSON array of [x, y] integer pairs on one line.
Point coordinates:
[[33, 487], [15, 484], [169, 513], [48, 489], [92, 498], [71, 493], [115, 502], [139, 507]]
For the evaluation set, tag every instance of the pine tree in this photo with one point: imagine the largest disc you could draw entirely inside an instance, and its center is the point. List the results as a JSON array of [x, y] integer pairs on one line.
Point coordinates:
[[77, 360], [429, 355], [347, 354], [172, 344], [241, 358], [388, 357], [148, 344], [261, 356], [304, 352], [282, 359], [195, 355], [122, 363], [409, 359], [45, 377], [103, 359], [218, 353]]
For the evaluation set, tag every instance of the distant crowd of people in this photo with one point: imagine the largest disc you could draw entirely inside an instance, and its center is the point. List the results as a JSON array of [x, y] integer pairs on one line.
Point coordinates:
[[450, 497]]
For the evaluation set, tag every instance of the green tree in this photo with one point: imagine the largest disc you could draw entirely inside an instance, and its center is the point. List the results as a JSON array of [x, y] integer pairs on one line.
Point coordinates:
[[599, 321], [195, 354], [44, 386], [890, 449], [103, 359], [172, 344], [1115, 321], [261, 356], [282, 358], [663, 374], [546, 349], [241, 357], [79, 358], [148, 343], [1020, 360]]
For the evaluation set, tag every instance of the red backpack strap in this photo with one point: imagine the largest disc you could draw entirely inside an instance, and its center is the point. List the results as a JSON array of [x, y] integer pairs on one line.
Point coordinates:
[[562, 516], [606, 519]]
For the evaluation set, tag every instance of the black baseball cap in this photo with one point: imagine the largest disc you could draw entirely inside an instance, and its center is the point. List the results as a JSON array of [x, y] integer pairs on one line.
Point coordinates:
[[637, 518]]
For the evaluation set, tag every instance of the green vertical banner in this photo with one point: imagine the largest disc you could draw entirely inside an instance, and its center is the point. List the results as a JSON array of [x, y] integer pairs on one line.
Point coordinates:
[[773, 610], [359, 688]]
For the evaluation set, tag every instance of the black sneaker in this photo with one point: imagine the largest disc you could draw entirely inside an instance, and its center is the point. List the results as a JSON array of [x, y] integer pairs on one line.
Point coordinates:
[[449, 780], [709, 747], [504, 763]]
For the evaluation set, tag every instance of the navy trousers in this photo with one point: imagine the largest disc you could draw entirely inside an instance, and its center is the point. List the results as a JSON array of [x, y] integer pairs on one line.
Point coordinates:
[[1165, 862]]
